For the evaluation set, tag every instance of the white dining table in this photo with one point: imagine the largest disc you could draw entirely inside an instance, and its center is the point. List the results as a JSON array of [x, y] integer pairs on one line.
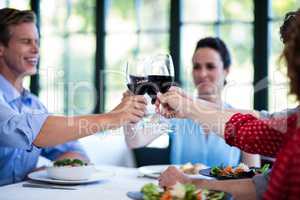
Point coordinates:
[[113, 188]]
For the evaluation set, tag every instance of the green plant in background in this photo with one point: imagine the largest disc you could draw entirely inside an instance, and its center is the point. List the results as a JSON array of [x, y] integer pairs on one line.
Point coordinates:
[[124, 9], [237, 10], [84, 9], [279, 7]]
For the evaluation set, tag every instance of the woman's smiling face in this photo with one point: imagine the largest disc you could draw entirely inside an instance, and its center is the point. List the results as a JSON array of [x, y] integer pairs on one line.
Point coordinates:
[[208, 71]]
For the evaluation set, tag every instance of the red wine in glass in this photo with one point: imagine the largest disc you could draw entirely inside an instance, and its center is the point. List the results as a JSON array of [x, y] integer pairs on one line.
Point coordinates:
[[158, 83], [138, 84]]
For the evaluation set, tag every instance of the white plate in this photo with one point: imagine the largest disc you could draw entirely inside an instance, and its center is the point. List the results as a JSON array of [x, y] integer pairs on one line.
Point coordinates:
[[154, 171], [42, 176]]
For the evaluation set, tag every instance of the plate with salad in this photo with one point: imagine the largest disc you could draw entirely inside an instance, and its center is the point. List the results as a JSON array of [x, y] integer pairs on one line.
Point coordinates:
[[69, 172], [238, 172], [179, 191]]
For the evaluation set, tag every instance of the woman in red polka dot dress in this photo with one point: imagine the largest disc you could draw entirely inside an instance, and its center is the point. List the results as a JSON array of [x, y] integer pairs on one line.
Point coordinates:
[[279, 137]]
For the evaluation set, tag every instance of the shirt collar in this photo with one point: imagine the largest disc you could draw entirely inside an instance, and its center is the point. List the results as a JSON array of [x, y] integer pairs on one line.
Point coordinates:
[[10, 93]]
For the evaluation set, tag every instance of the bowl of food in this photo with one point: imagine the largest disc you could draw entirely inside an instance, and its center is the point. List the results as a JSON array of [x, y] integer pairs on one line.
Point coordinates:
[[71, 170]]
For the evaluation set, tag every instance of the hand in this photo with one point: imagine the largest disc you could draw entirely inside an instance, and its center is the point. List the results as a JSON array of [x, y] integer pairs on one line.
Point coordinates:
[[131, 109], [127, 94], [175, 103], [179, 91], [171, 176]]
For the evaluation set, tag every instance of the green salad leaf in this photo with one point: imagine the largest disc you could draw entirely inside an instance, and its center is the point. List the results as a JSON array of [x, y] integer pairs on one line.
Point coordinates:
[[264, 169], [215, 171], [213, 195], [190, 192], [151, 192], [69, 162]]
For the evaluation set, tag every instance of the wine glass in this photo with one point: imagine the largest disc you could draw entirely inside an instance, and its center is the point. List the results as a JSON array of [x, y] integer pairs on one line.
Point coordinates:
[[137, 82], [136, 78], [160, 75]]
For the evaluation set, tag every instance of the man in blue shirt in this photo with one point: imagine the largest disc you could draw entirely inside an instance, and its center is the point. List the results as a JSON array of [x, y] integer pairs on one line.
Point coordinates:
[[27, 130]]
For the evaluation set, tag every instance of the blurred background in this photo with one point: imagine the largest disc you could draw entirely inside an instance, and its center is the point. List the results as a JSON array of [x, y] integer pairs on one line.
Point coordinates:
[[86, 43]]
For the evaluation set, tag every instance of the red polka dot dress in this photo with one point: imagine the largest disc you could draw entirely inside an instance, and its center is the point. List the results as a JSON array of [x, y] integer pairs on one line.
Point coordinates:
[[276, 138]]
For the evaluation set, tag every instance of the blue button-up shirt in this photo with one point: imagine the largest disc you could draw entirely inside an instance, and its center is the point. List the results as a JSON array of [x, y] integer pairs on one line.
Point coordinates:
[[22, 116]]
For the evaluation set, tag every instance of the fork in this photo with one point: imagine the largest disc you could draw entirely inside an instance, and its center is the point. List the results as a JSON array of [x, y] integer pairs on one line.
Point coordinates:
[[34, 185]]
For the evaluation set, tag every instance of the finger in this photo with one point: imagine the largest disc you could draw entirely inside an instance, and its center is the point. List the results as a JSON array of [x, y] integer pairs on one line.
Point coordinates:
[[157, 110], [174, 88], [178, 90], [165, 116], [165, 99], [157, 103], [168, 108], [161, 184], [161, 180], [139, 113], [174, 114], [134, 119], [168, 115], [162, 98], [140, 99], [128, 93], [170, 93], [163, 110], [171, 168], [140, 106]]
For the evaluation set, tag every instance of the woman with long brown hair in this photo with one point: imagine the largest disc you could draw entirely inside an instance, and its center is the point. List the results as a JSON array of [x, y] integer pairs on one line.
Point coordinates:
[[278, 138]]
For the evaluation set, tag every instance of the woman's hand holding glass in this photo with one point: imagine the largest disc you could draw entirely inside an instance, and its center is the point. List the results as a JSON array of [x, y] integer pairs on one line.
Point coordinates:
[[174, 103]]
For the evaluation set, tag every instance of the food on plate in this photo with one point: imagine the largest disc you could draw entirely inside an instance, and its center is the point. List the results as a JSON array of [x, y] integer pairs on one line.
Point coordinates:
[[70, 169], [179, 192], [242, 170], [69, 162], [189, 168]]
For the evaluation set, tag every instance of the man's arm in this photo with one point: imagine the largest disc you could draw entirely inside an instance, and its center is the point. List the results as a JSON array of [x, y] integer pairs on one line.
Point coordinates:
[[39, 129], [58, 130]]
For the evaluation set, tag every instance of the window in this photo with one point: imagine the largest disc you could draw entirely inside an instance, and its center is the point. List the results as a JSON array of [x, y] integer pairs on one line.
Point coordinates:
[[232, 21], [142, 27], [67, 56], [133, 28], [278, 82], [17, 4]]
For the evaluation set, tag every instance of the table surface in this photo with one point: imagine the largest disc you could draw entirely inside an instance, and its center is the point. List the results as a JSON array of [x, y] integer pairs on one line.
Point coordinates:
[[114, 188]]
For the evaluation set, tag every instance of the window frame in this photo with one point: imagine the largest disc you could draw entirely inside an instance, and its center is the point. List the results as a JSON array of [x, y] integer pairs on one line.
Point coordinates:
[[261, 44]]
